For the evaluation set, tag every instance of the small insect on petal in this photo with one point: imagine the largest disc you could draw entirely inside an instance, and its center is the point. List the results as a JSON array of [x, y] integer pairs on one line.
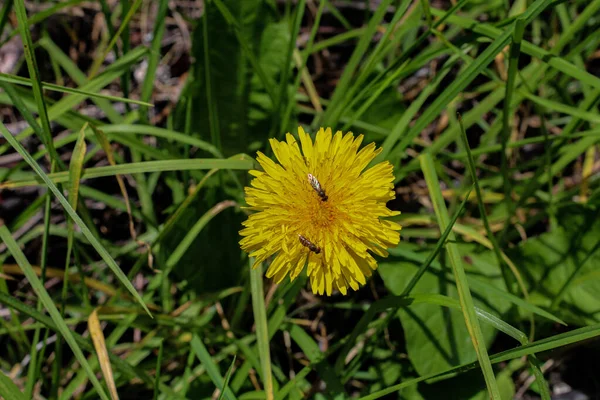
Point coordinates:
[[314, 182], [307, 243]]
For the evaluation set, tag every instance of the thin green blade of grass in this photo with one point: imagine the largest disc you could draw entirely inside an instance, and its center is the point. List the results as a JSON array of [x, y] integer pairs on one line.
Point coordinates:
[[582, 114], [169, 134], [213, 111], [273, 325], [507, 116], [34, 74], [19, 80], [33, 372], [157, 36], [100, 59], [84, 229], [159, 360], [262, 332], [48, 303], [316, 357], [534, 364], [75, 167], [462, 285], [4, 13], [482, 211], [8, 390], [211, 368], [227, 377], [233, 163], [563, 339]]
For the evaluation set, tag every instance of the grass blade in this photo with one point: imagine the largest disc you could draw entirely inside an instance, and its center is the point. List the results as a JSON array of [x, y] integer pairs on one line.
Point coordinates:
[[124, 23], [211, 368], [8, 390], [317, 358], [159, 360], [159, 30], [483, 212], [100, 345], [227, 377], [23, 25], [262, 332], [433, 254], [241, 162], [19, 80], [462, 286], [507, 116]]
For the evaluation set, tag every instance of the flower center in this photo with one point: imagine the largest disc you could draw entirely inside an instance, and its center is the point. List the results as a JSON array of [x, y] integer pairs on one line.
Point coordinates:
[[323, 214]]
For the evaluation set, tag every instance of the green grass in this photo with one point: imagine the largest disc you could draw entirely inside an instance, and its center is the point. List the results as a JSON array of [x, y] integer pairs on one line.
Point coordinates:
[[122, 195]]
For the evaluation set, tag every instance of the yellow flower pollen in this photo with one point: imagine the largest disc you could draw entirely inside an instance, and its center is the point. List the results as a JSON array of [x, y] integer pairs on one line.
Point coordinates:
[[346, 227]]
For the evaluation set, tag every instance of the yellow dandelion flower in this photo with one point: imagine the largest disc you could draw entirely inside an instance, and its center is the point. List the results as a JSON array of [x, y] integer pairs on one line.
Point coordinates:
[[320, 207]]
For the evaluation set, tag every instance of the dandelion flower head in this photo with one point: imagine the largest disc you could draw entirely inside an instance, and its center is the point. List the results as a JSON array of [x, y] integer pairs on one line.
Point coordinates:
[[319, 207]]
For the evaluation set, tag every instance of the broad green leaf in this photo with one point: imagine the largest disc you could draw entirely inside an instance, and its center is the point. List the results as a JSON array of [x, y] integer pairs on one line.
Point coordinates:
[[561, 265], [436, 337]]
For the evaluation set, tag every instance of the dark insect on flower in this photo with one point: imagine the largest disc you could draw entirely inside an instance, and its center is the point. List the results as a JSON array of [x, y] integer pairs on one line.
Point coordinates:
[[307, 243], [314, 182]]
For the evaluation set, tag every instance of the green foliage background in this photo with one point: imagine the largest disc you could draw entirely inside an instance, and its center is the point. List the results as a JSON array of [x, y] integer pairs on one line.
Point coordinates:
[[496, 273]]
